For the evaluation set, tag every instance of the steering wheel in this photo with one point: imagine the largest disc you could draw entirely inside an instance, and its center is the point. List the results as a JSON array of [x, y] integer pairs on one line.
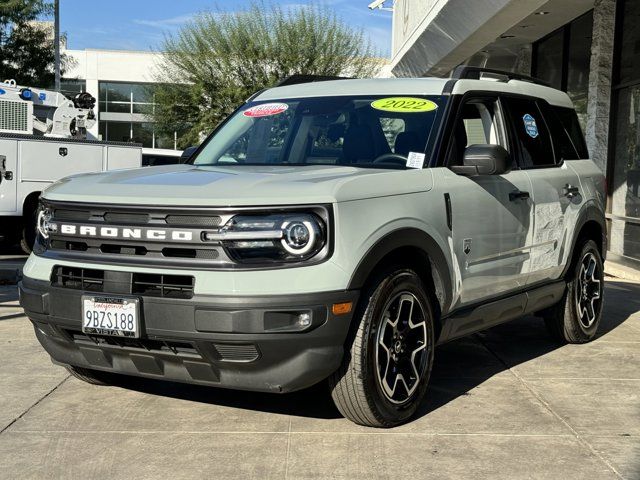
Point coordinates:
[[391, 158]]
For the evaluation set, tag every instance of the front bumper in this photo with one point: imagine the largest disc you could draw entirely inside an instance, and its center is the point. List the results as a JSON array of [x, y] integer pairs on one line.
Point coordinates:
[[232, 342]]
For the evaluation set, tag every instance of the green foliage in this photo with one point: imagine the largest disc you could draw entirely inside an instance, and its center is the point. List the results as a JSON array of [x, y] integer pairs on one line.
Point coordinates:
[[215, 62], [26, 49]]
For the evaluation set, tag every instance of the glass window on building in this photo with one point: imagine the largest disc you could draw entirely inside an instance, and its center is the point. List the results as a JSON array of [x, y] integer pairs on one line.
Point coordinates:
[[142, 133], [125, 97], [136, 132], [115, 131], [578, 63], [629, 66], [548, 61], [562, 59], [70, 87], [624, 186], [124, 110]]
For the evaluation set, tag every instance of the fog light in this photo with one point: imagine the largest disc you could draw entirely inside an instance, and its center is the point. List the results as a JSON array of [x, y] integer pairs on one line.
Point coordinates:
[[304, 320]]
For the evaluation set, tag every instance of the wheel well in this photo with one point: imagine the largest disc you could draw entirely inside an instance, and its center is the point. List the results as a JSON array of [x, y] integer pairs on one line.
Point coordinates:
[[591, 230], [30, 203], [419, 261]]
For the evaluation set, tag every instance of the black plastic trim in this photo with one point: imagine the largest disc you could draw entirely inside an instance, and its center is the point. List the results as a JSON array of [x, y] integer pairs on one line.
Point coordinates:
[[281, 360], [447, 204], [588, 213], [405, 237], [470, 72], [489, 313]]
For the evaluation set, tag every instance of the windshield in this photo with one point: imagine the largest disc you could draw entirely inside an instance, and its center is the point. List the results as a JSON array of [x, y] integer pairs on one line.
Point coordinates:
[[378, 131]]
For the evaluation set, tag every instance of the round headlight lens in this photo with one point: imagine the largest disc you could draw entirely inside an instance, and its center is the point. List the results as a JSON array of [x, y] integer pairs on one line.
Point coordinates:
[[299, 236]]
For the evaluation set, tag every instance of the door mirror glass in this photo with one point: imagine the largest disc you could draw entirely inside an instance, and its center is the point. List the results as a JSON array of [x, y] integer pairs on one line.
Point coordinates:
[[188, 153], [484, 160]]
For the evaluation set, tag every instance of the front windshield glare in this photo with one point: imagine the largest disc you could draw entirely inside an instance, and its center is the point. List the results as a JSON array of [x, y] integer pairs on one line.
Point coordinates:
[[377, 131]]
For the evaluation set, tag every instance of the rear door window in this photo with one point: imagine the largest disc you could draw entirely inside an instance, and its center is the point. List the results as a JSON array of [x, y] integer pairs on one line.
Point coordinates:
[[531, 133]]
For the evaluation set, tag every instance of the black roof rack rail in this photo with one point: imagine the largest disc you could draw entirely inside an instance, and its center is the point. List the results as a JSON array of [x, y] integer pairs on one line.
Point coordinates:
[[468, 72], [297, 79]]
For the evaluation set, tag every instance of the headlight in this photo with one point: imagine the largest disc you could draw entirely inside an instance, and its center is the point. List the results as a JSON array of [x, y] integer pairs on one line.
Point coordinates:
[[44, 227], [44, 224], [271, 238]]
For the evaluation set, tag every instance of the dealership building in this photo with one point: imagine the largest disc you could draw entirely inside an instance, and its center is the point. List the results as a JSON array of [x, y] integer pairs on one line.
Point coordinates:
[[122, 83], [590, 49]]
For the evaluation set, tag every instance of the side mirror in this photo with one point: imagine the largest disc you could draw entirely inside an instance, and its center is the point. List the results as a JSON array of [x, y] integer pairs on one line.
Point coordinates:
[[484, 159], [188, 153]]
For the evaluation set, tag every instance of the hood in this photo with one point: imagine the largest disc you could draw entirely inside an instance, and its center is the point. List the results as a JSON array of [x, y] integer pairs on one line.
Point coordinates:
[[190, 185]]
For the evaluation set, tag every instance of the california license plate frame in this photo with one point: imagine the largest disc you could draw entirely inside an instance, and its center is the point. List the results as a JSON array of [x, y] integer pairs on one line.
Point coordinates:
[[111, 315]]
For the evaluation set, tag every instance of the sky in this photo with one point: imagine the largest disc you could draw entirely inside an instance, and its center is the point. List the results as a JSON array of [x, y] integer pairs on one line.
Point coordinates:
[[142, 24]]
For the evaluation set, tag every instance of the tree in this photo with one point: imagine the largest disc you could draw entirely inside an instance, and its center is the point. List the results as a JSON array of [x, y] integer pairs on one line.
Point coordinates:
[[26, 47], [218, 60]]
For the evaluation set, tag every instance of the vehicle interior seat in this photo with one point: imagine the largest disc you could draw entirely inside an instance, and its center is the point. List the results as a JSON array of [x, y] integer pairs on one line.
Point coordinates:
[[458, 144], [358, 145], [407, 142]]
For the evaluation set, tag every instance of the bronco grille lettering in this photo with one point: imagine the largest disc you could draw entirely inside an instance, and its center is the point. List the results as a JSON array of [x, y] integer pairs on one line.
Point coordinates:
[[134, 233]]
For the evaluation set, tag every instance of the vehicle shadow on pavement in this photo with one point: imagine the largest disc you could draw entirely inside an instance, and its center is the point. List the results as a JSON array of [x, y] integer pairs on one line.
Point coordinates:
[[459, 366]]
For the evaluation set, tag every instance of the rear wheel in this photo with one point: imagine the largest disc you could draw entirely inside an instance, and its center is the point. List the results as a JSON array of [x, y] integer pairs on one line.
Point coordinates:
[[94, 377], [575, 319], [385, 371]]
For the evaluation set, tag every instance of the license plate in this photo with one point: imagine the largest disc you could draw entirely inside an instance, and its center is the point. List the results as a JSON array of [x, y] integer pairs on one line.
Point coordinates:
[[110, 316]]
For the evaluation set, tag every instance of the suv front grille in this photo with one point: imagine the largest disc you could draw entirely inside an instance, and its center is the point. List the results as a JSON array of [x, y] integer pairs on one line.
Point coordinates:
[[106, 281], [78, 279], [160, 285], [137, 247]]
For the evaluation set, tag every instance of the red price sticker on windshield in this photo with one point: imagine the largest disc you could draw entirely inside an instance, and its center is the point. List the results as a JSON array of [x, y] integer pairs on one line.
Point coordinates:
[[265, 110]]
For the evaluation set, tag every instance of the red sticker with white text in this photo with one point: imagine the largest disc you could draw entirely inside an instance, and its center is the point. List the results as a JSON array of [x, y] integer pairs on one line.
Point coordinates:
[[265, 110]]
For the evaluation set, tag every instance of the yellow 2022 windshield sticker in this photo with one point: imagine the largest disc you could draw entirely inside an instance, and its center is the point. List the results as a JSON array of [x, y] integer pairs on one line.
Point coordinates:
[[404, 105]]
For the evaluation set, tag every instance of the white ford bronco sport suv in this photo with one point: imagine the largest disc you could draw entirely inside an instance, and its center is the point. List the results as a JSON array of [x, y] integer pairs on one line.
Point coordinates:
[[334, 230]]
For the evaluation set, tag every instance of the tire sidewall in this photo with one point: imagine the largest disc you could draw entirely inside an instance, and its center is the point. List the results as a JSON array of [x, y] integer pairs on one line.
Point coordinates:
[[396, 282], [587, 333]]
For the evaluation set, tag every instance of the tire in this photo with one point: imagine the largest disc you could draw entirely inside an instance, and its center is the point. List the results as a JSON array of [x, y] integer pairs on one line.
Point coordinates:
[[362, 387], [29, 231], [575, 319], [94, 377]]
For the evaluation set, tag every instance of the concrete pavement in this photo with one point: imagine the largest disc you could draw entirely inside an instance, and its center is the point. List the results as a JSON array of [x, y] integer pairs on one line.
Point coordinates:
[[507, 403]]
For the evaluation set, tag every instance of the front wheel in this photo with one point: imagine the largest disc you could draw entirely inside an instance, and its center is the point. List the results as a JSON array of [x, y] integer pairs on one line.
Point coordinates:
[[386, 368], [575, 319]]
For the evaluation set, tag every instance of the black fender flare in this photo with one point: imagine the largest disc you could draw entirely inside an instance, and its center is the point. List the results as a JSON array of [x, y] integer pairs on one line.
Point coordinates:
[[406, 237], [589, 213]]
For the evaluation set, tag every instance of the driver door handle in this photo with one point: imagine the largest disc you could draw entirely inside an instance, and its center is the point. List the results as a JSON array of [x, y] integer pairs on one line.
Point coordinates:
[[518, 195]]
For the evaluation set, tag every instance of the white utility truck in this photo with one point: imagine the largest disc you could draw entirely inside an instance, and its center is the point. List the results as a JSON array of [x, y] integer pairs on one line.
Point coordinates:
[[43, 138]]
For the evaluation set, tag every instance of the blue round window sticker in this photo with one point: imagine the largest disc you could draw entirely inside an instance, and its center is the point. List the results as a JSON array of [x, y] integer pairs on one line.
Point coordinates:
[[530, 126], [2, 92]]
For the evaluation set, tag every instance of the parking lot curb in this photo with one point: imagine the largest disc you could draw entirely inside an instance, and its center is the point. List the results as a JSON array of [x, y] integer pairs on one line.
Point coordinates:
[[621, 271]]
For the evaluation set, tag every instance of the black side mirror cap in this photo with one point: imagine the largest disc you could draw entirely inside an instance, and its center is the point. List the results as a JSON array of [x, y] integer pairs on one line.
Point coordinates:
[[483, 159], [188, 153]]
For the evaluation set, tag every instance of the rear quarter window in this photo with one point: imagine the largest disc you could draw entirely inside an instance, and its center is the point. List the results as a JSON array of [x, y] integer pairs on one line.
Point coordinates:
[[569, 120]]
